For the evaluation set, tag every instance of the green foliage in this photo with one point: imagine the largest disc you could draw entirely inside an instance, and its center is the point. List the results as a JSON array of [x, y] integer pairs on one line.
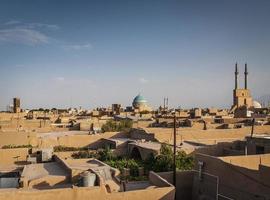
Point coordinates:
[[134, 178], [164, 161], [122, 163], [105, 154], [84, 154], [160, 163], [61, 148], [11, 146], [149, 163], [101, 154], [113, 126], [183, 161]]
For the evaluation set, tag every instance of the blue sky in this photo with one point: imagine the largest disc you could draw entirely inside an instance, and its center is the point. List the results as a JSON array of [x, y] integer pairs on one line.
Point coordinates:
[[94, 53]]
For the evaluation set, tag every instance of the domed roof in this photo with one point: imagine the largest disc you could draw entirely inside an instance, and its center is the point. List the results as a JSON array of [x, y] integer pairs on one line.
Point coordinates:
[[139, 99], [256, 104]]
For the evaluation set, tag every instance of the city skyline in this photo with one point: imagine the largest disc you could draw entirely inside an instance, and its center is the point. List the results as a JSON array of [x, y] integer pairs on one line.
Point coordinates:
[[56, 54]]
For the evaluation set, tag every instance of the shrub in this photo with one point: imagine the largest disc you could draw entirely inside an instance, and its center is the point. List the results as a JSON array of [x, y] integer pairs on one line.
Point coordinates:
[[105, 154], [164, 161], [83, 154], [61, 148], [113, 126], [11, 146]]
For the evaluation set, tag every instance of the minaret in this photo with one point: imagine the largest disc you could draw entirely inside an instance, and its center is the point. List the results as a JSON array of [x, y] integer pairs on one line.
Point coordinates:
[[236, 76], [246, 75]]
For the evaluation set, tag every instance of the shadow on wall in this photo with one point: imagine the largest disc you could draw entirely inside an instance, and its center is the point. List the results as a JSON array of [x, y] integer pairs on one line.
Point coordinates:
[[99, 143]]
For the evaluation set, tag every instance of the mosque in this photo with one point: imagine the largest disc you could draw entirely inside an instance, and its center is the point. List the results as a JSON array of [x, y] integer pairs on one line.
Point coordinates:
[[243, 104], [140, 104]]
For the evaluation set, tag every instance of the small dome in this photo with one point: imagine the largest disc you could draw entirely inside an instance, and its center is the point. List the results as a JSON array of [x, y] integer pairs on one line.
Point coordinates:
[[256, 104]]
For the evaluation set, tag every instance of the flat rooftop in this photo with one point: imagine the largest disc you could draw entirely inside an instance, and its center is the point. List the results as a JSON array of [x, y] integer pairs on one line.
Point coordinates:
[[118, 140], [148, 145], [207, 137], [83, 164], [35, 171], [61, 134], [248, 161]]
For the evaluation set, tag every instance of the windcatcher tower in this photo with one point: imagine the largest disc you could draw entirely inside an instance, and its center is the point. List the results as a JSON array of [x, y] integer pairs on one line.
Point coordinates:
[[16, 105]]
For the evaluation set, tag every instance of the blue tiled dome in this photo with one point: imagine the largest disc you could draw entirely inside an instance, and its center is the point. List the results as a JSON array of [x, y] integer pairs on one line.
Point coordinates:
[[139, 99]]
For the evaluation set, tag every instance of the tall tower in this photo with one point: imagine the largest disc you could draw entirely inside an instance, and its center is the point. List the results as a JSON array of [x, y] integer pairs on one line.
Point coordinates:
[[241, 96], [246, 75], [236, 77], [16, 105]]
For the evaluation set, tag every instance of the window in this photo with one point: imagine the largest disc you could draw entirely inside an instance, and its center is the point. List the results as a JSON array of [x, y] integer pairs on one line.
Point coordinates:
[[259, 149]]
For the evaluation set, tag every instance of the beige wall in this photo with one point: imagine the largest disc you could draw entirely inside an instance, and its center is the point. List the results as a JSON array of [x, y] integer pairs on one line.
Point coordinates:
[[79, 140], [250, 162], [22, 138], [184, 182], [11, 156], [15, 138], [234, 181], [210, 136], [166, 193]]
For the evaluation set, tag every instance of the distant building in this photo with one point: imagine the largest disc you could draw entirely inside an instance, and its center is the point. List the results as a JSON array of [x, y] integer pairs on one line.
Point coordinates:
[[139, 103], [241, 96], [116, 108], [243, 103], [16, 105]]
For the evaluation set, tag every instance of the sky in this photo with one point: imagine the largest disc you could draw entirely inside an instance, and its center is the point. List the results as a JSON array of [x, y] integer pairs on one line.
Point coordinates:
[[95, 53]]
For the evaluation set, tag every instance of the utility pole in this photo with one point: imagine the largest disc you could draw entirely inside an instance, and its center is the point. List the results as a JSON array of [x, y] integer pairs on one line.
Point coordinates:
[[252, 128], [174, 151]]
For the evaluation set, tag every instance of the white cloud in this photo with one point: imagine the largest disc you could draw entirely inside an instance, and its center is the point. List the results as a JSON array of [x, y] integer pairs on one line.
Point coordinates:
[[15, 31], [143, 80], [60, 78], [23, 36], [19, 24], [78, 46], [39, 25], [12, 22]]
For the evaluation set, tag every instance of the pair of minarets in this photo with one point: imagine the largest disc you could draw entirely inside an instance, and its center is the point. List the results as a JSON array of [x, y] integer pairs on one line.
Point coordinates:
[[236, 76]]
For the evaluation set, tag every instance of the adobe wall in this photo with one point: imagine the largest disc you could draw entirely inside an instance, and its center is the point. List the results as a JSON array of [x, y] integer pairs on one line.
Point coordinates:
[[23, 124], [93, 141], [234, 181], [184, 182], [214, 150], [140, 134], [211, 136], [47, 182], [86, 124], [26, 138], [142, 124], [166, 193], [250, 161], [265, 174], [144, 152], [11, 156], [9, 116], [158, 181], [15, 138]]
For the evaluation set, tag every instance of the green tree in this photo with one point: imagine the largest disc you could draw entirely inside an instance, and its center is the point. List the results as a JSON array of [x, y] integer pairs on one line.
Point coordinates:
[[112, 126]]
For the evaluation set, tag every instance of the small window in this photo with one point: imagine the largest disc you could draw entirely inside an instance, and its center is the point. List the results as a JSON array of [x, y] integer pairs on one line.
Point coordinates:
[[259, 149]]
